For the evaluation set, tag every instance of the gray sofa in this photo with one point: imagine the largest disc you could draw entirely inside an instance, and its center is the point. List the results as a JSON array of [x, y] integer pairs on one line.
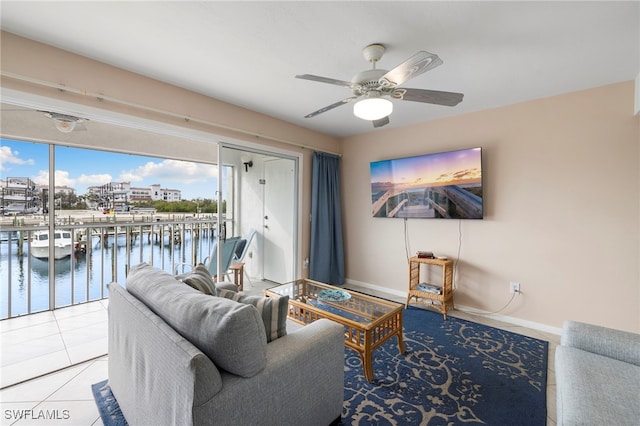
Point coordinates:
[[180, 357], [597, 376]]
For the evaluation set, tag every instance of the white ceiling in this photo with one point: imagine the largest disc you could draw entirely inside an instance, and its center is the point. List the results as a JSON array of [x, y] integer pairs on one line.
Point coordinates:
[[247, 53]]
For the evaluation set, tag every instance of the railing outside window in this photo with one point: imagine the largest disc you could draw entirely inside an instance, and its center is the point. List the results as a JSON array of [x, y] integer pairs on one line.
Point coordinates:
[[101, 252]]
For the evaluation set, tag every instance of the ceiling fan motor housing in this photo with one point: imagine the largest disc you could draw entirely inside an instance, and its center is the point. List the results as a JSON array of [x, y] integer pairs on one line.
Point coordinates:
[[368, 80]]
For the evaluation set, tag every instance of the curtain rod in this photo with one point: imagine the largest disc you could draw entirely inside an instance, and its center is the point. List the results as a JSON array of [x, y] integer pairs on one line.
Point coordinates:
[[102, 97]]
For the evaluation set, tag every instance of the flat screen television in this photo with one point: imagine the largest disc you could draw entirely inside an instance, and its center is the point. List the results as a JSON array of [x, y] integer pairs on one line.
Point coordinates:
[[443, 185]]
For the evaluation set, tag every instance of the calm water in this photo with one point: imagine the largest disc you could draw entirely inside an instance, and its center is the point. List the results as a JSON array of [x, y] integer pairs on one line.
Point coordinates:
[[92, 271]]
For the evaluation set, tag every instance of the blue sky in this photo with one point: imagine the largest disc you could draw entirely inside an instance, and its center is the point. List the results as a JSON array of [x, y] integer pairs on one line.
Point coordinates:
[[81, 168]]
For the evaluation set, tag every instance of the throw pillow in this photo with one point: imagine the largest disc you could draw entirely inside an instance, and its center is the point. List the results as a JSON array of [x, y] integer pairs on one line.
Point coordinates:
[[201, 280], [273, 311], [231, 334]]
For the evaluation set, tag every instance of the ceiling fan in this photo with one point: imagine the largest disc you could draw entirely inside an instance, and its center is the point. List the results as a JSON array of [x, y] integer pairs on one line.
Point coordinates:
[[372, 87]]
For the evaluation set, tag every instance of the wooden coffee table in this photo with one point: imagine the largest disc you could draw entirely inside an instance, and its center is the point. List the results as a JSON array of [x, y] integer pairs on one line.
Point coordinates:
[[368, 321]]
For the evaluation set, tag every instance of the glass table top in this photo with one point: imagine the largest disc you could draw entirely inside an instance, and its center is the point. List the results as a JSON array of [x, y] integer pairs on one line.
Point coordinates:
[[343, 302]]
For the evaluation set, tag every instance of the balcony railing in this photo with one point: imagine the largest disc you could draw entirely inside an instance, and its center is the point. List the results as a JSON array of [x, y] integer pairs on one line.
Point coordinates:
[[102, 252]]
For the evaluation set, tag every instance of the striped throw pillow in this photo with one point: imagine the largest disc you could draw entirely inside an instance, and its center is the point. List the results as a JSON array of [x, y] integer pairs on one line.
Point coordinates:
[[273, 311], [201, 280]]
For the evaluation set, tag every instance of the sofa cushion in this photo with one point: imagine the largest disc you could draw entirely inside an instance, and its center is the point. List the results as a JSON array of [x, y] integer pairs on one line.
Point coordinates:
[[231, 334], [273, 311], [595, 390], [201, 280]]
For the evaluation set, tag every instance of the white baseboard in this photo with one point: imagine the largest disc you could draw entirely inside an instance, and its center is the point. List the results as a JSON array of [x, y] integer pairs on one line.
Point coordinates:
[[504, 318], [377, 288], [511, 320]]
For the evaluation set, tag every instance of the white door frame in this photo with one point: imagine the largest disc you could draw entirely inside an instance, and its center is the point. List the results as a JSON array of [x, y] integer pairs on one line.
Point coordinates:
[[296, 157]]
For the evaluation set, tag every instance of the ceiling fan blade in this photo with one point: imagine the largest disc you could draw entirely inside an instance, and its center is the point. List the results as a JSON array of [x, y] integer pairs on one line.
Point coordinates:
[[432, 97], [412, 67], [382, 122], [332, 106], [317, 78]]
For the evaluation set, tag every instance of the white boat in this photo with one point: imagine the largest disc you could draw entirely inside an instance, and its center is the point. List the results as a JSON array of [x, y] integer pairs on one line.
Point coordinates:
[[63, 245]]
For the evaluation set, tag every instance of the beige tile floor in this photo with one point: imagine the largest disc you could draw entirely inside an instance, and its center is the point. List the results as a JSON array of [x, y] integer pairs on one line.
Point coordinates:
[[37, 344], [49, 361]]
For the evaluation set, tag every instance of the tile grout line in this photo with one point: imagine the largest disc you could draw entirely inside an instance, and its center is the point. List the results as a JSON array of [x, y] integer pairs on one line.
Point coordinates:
[[95, 358], [66, 350], [26, 326], [89, 364], [64, 342], [45, 400], [40, 337]]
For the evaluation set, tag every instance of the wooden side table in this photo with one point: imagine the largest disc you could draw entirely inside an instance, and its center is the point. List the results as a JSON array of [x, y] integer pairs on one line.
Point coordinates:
[[238, 274], [445, 297]]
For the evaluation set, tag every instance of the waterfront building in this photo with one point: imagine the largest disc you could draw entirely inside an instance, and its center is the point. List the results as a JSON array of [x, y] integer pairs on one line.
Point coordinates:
[[112, 195], [140, 195], [19, 195], [165, 194], [117, 195]]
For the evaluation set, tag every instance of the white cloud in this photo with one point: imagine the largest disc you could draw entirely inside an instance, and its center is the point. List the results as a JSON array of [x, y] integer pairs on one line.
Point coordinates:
[[12, 157], [61, 178], [91, 180], [171, 170], [130, 176]]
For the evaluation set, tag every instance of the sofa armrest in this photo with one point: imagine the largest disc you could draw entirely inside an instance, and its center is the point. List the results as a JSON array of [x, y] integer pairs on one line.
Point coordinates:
[[617, 344], [303, 382], [156, 375]]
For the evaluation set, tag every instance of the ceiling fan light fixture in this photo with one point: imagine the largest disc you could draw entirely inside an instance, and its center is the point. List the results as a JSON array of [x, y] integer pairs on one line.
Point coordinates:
[[373, 108]]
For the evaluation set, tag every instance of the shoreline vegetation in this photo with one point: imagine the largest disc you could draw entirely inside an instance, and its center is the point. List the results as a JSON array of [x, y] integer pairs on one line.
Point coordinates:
[[82, 216]]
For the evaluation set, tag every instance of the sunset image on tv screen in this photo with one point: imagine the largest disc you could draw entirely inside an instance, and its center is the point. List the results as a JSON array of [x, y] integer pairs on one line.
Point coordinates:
[[443, 185]]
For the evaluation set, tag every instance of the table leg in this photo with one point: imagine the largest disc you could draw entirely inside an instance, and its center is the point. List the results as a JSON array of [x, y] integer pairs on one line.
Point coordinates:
[[367, 365], [400, 342], [400, 337]]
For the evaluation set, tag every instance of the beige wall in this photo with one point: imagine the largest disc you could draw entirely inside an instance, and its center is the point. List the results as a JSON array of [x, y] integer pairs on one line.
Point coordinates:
[[34, 60], [561, 190]]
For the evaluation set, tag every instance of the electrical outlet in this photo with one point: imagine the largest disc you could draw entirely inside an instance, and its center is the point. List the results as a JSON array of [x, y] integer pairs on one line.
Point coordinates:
[[514, 287]]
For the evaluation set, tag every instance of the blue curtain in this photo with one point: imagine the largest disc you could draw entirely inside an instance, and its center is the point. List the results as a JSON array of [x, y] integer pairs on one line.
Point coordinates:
[[327, 251]]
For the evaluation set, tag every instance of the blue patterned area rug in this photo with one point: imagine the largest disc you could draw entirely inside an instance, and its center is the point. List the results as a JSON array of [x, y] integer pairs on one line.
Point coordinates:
[[107, 405], [453, 372]]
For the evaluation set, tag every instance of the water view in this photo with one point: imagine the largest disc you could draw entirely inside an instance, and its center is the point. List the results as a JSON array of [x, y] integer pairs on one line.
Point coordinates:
[[154, 210], [84, 275]]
